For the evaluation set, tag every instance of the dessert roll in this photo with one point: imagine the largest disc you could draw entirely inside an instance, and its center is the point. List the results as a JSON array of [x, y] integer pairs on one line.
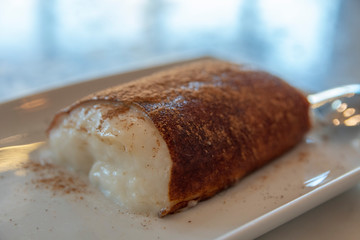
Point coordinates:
[[166, 141]]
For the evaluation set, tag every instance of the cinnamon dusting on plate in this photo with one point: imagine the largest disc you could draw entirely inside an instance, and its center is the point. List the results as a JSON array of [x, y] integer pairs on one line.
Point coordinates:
[[55, 179]]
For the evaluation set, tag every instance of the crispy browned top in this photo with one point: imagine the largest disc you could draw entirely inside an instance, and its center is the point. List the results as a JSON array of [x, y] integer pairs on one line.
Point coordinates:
[[219, 121]]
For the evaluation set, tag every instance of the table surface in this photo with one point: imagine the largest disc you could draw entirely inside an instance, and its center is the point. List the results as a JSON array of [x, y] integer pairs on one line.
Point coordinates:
[[314, 45]]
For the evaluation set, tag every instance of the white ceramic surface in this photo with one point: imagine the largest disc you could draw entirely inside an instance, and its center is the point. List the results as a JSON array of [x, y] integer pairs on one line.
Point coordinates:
[[324, 165]]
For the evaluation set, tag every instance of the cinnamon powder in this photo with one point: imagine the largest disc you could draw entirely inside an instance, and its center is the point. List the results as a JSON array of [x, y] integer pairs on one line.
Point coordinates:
[[55, 179]]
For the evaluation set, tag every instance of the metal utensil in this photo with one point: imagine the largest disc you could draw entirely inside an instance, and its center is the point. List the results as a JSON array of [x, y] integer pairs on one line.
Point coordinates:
[[338, 106]]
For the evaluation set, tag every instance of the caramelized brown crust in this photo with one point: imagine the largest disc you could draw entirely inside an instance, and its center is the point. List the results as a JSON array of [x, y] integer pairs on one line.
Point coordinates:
[[219, 120]]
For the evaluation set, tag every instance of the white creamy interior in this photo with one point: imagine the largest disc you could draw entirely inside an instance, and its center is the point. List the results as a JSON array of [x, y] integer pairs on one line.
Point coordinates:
[[125, 155]]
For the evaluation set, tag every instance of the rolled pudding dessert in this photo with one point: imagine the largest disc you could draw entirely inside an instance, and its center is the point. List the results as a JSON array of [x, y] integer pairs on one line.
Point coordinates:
[[164, 142]]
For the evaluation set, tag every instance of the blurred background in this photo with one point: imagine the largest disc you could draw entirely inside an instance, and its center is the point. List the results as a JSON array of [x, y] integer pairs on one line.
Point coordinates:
[[313, 44]]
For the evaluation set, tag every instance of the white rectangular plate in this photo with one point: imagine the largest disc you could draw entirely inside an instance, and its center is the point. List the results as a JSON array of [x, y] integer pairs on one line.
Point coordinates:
[[324, 165]]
